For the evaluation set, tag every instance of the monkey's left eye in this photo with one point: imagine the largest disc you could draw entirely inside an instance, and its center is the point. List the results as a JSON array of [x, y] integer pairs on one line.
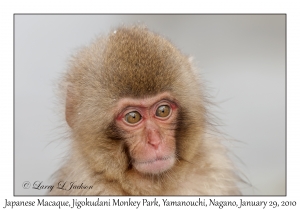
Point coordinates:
[[163, 111], [133, 117]]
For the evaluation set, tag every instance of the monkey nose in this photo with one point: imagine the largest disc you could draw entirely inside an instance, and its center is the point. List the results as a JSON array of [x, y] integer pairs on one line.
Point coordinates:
[[154, 138]]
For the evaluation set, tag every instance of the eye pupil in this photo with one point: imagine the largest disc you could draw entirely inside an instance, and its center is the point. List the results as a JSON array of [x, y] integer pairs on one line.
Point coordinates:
[[163, 111], [133, 117]]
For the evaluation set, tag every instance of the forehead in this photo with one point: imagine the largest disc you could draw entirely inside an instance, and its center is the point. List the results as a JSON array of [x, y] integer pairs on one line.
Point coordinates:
[[144, 102]]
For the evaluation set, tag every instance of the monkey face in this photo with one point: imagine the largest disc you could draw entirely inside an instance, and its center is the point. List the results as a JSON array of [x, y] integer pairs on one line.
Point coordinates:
[[149, 126]]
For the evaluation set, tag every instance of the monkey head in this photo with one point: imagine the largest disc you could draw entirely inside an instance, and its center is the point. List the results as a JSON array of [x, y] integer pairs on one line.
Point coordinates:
[[135, 105]]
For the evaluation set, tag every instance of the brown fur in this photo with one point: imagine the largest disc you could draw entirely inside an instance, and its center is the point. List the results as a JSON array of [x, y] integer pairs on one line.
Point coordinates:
[[136, 63]]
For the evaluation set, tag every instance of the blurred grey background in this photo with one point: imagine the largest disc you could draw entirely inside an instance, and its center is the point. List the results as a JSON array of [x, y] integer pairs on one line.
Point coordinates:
[[241, 58]]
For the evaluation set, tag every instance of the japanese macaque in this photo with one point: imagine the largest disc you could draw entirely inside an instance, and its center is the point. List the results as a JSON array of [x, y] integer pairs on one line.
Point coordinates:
[[139, 123]]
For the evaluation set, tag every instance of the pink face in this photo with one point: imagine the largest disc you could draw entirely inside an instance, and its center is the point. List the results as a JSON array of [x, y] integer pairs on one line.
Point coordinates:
[[150, 127]]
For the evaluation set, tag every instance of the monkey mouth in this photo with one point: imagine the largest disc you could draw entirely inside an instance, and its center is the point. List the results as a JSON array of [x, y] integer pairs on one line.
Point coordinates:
[[154, 166], [152, 161]]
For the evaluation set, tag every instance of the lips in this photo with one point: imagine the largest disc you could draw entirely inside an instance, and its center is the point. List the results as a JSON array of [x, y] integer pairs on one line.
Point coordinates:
[[154, 166]]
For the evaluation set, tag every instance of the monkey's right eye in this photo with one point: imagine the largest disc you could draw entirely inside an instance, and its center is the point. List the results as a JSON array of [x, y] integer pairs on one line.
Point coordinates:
[[133, 117]]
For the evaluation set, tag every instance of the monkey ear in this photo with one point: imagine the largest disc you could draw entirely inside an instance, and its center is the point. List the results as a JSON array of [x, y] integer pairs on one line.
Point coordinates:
[[70, 110]]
